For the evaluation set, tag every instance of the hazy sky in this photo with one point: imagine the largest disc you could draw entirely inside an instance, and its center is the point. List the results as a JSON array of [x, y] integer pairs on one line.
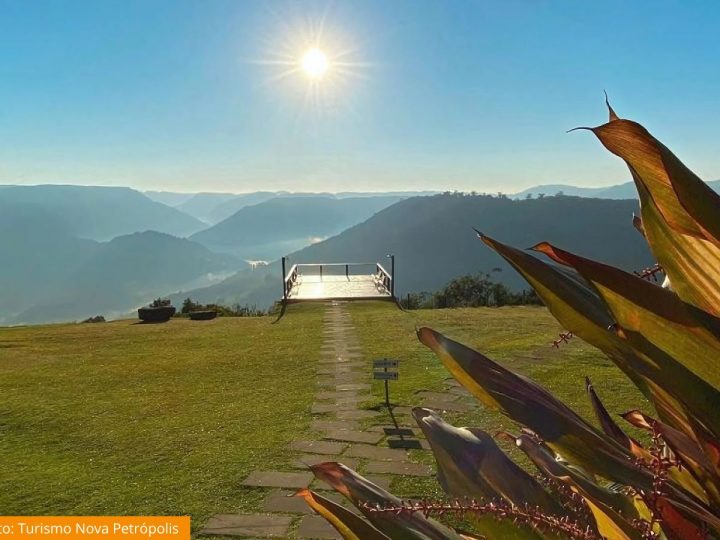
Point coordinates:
[[469, 95]]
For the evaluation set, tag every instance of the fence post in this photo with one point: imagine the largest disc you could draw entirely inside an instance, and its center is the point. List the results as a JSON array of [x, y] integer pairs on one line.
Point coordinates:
[[347, 271], [283, 280]]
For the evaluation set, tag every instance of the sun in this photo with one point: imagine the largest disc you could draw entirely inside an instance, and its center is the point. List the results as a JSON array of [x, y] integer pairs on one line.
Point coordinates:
[[314, 63]]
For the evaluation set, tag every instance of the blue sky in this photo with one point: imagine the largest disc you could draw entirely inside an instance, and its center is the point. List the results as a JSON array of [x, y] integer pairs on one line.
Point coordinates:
[[468, 95]]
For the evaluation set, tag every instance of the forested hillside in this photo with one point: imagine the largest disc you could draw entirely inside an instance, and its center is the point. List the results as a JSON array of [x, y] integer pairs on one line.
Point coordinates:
[[284, 224], [433, 241], [99, 213]]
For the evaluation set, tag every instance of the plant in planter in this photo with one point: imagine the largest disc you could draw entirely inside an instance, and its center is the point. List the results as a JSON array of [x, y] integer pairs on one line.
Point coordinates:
[[204, 315], [160, 310], [198, 312], [592, 481]]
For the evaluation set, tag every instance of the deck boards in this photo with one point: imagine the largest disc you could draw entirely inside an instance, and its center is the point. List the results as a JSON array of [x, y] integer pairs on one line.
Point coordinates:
[[313, 287]]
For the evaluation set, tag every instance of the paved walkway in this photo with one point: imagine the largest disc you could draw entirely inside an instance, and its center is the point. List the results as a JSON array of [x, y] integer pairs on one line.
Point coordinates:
[[376, 452]]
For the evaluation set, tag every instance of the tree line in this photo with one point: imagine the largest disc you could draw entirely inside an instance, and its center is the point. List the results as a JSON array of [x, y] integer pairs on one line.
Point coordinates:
[[474, 290]]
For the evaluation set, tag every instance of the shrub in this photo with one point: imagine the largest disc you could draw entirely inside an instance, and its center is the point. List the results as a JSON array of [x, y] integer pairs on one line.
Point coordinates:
[[236, 310], [189, 306], [470, 291], [594, 482]]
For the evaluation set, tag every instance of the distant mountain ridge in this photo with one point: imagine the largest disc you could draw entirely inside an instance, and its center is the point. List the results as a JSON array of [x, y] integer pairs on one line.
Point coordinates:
[[212, 207], [74, 279], [619, 191], [52, 269], [433, 241], [70, 252], [281, 225], [170, 198], [202, 205], [101, 213], [230, 206]]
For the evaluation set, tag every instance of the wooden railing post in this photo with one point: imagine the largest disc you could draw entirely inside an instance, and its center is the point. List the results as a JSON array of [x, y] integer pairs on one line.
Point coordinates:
[[283, 280]]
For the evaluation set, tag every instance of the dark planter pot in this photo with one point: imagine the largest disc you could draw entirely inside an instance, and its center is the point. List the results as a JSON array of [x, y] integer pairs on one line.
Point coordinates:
[[202, 315], [156, 314]]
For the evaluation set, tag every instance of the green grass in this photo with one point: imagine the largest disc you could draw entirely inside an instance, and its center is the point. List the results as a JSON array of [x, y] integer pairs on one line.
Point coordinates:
[[519, 338], [124, 418]]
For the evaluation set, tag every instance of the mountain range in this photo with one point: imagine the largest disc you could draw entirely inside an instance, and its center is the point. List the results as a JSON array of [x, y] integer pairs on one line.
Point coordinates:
[[99, 213], [49, 275], [70, 252], [213, 208], [282, 225], [433, 241], [619, 191]]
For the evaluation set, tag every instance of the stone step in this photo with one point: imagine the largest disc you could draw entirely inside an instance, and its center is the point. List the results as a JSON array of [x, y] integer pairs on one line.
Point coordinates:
[[316, 527], [286, 502], [254, 525], [353, 386], [356, 415], [305, 461], [376, 453], [366, 437], [318, 447], [279, 479], [341, 394], [325, 425], [324, 408]]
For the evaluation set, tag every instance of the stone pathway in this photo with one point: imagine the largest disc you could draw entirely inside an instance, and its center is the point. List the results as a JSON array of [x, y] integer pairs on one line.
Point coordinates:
[[341, 433]]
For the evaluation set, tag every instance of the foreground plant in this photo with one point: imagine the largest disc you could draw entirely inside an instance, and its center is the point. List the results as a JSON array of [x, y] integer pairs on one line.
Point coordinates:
[[592, 482]]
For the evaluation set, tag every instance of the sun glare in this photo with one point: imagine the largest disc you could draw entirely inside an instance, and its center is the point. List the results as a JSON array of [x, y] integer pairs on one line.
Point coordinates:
[[314, 63], [306, 53]]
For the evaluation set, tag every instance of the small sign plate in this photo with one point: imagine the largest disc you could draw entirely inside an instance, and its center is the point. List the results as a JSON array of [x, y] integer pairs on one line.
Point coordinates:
[[385, 363], [385, 375]]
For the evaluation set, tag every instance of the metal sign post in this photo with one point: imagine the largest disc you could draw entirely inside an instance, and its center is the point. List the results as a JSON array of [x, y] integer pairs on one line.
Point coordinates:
[[385, 375]]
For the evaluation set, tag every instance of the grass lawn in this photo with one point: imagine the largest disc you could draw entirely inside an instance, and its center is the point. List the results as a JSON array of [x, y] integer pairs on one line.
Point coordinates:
[[124, 418], [517, 337]]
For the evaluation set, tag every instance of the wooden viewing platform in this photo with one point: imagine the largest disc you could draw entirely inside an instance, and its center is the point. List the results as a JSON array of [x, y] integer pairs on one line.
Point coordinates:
[[337, 281]]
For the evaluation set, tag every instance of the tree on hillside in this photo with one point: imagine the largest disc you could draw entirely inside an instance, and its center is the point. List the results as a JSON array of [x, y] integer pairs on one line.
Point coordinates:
[[467, 291], [470, 291]]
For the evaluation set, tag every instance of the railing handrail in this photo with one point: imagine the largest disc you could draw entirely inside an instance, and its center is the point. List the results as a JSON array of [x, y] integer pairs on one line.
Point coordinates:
[[337, 264], [381, 276], [380, 266], [290, 273]]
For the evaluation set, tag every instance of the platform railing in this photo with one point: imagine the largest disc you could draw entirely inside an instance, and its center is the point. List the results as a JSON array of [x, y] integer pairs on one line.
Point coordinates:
[[289, 279], [382, 278]]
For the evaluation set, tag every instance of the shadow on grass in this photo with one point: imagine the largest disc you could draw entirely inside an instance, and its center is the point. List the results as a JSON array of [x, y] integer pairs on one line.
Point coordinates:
[[283, 309]]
